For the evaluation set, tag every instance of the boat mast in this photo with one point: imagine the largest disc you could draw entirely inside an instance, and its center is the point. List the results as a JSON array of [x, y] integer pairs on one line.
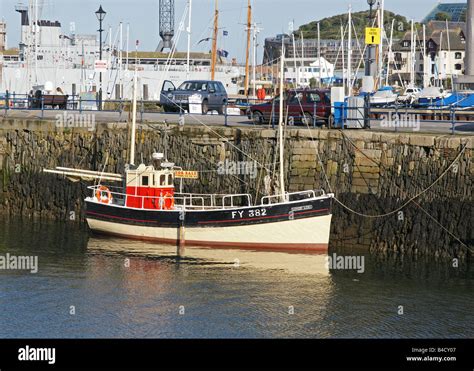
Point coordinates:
[[390, 52], [247, 54], [134, 109], [343, 59], [319, 55], [349, 55], [448, 63], [190, 8], [281, 122], [214, 42], [382, 33], [413, 51]]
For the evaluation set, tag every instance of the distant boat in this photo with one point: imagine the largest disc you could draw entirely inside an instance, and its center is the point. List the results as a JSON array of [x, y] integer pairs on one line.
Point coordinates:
[[432, 95], [385, 96], [410, 95]]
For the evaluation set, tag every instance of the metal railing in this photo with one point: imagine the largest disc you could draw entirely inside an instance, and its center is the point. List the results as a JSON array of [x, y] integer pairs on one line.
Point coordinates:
[[181, 201]]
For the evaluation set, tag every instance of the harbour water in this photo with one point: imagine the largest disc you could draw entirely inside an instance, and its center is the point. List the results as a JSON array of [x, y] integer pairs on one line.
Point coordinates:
[[88, 286]]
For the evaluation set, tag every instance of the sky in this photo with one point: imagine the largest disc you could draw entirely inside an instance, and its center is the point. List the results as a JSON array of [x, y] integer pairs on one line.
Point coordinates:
[[272, 16]]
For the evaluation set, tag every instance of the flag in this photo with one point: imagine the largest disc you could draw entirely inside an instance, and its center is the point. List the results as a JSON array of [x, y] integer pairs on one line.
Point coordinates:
[[222, 53]]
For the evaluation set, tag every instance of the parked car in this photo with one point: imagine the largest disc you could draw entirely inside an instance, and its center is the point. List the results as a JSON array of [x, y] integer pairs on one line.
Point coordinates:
[[303, 105], [212, 94]]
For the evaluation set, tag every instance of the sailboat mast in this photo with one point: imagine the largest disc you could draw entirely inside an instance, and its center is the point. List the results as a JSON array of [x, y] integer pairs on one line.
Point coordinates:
[[190, 9], [247, 55], [349, 55], [281, 122], [382, 33], [214, 42], [319, 56], [134, 109], [413, 51]]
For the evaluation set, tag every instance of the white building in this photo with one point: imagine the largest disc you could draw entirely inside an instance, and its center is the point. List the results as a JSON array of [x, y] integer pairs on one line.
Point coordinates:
[[307, 69]]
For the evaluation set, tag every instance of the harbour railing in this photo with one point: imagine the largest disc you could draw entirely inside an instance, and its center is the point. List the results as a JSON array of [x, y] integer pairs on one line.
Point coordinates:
[[192, 201], [355, 114]]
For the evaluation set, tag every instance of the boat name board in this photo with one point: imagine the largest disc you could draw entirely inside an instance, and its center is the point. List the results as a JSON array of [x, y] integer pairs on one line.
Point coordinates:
[[186, 174]]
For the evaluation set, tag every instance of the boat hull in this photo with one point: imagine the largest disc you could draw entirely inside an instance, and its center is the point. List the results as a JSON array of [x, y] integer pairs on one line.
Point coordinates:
[[296, 226]]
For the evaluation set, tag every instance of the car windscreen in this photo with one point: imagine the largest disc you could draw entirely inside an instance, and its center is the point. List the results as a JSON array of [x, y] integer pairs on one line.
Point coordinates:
[[193, 86]]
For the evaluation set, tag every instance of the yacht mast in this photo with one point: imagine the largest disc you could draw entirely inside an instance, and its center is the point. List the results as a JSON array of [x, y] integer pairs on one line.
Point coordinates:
[[247, 54], [382, 33], [280, 124], [134, 109], [349, 55], [214, 42], [190, 8]]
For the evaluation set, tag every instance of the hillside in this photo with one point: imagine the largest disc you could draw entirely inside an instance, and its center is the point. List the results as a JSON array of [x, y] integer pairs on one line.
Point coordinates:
[[330, 27]]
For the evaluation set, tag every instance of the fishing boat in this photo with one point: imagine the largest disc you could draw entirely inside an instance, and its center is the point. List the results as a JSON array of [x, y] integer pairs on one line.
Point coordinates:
[[147, 207]]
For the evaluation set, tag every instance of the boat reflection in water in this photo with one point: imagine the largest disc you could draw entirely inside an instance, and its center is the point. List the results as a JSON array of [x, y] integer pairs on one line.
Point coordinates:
[[306, 263]]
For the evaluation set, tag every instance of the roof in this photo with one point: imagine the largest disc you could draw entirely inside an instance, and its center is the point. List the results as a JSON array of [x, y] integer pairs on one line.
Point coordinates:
[[434, 29], [455, 10]]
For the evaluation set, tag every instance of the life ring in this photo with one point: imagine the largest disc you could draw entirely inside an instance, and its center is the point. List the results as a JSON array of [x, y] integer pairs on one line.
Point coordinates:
[[101, 198], [168, 203]]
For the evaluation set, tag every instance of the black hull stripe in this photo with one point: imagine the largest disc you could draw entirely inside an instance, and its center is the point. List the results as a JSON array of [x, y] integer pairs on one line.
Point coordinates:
[[263, 217]]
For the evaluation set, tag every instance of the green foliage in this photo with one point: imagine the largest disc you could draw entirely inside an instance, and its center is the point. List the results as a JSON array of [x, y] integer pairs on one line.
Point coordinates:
[[442, 16], [331, 27]]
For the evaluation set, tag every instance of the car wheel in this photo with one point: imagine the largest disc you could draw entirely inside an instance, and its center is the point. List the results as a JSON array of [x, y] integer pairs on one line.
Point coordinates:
[[307, 119], [257, 118], [205, 107], [221, 109]]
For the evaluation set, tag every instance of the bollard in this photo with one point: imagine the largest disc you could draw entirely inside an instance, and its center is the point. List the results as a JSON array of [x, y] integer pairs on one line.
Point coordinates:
[[42, 107], [80, 105]]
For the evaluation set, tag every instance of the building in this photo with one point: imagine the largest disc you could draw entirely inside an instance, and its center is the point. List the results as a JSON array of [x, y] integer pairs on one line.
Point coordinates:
[[455, 11], [331, 51], [439, 60], [301, 72]]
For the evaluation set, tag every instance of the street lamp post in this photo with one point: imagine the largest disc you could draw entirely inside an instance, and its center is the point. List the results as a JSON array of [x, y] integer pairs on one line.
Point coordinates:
[[100, 16], [368, 62]]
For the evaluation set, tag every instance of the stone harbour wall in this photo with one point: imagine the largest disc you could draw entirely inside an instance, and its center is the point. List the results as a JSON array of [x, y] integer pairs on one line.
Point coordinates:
[[371, 173]]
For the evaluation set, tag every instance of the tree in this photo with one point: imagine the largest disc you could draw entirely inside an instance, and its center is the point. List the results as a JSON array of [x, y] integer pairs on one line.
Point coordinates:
[[442, 16]]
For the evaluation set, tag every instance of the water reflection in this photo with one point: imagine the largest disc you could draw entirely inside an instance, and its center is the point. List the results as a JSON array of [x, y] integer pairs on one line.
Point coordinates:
[[294, 263]]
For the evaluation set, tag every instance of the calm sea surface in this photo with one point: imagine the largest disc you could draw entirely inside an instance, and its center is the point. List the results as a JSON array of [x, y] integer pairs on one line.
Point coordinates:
[[89, 287]]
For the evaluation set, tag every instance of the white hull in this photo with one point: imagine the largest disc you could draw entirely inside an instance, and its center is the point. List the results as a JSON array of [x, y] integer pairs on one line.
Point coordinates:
[[308, 233]]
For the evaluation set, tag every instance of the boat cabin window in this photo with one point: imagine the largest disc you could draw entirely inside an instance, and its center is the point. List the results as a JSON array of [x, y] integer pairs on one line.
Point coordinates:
[[162, 180], [145, 182]]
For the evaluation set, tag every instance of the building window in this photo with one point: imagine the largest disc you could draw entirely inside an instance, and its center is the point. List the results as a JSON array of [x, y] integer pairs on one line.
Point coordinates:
[[406, 44], [422, 67], [458, 67], [458, 55]]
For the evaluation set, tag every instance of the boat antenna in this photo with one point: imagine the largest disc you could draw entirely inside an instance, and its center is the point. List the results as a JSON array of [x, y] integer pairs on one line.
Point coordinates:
[[134, 109], [281, 123]]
